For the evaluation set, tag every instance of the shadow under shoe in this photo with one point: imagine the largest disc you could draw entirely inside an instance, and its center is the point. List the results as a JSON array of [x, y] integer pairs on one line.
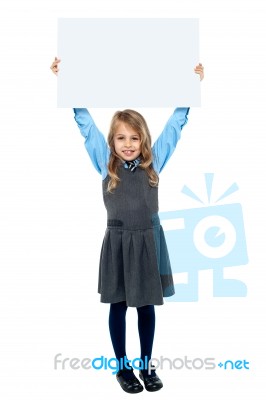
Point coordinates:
[[131, 385], [151, 383]]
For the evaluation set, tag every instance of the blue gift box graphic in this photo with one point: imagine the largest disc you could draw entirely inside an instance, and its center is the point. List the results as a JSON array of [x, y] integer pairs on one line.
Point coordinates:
[[208, 237]]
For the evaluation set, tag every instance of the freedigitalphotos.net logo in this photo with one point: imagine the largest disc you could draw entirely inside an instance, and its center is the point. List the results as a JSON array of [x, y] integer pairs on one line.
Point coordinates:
[[209, 237], [178, 363]]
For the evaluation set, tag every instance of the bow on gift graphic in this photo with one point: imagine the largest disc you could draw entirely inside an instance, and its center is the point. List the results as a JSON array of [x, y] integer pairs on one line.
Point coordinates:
[[209, 237]]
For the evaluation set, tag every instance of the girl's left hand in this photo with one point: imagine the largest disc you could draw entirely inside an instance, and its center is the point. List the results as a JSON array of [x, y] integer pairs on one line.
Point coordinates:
[[199, 70]]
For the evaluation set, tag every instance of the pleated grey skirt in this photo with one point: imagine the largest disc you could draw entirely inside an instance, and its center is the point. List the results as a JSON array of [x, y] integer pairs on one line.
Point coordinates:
[[134, 265]]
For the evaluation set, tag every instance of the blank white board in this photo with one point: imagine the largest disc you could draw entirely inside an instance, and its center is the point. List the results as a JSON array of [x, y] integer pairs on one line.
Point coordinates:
[[128, 62]]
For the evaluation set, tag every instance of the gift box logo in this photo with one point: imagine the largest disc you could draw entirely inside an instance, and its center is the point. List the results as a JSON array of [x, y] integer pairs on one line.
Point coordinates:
[[209, 237]]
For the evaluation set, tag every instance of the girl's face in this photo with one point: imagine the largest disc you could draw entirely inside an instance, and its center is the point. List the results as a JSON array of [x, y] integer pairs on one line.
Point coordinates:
[[126, 142]]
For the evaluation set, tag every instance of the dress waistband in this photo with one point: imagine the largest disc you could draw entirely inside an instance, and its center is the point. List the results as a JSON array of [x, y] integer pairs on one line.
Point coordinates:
[[117, 223]]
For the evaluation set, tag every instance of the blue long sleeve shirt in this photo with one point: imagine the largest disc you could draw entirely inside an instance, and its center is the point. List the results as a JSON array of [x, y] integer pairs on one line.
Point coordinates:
[[99, 151]]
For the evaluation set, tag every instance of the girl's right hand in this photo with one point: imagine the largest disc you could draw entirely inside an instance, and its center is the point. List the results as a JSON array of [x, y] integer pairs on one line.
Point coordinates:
[[54, 66]]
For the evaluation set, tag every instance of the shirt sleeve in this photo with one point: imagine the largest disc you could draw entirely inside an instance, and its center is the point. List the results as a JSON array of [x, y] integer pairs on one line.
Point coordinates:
[[165, 145], [95, 142]]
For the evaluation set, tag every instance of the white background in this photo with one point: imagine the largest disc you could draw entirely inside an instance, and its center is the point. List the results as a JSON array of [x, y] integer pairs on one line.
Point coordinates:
[[52, 218]]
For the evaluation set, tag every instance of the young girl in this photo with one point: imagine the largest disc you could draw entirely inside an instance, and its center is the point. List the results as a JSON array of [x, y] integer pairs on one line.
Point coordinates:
[[134, 266]]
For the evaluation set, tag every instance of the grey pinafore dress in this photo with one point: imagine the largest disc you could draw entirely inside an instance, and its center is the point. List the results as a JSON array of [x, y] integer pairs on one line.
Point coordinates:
[[134, 261]]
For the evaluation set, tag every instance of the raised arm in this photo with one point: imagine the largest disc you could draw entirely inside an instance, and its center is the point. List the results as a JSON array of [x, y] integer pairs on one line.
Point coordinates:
[[95, 142], [165, 145]]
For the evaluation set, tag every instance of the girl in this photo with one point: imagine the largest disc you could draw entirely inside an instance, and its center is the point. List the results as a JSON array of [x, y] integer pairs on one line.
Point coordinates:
[[134, 266]]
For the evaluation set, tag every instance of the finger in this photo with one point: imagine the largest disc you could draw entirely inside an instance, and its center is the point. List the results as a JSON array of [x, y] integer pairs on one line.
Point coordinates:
[[54, 65], [199, 71], [54, 69], [57, 61]]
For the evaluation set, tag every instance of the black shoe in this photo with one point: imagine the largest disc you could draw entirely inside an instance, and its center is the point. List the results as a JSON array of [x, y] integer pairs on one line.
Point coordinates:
[[129, 385], [151, 383]]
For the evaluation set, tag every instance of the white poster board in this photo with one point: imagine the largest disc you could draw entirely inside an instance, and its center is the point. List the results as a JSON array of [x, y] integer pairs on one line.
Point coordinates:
[[128, 62]]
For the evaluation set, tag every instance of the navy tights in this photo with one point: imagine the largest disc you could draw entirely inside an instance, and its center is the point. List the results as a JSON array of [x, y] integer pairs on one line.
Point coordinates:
[[146, 327]]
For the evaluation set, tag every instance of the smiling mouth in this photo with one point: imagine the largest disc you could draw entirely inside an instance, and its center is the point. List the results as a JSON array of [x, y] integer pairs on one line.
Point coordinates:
[[128, 152]]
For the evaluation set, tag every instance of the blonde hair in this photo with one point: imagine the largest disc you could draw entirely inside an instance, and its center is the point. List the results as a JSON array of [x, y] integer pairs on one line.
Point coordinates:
[[136, 121]]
